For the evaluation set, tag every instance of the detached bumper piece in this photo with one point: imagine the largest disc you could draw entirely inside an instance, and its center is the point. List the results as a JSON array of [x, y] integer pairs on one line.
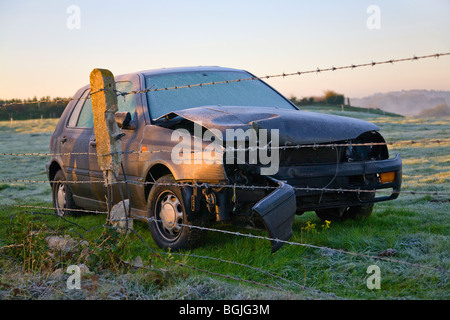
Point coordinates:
[[277, 211]]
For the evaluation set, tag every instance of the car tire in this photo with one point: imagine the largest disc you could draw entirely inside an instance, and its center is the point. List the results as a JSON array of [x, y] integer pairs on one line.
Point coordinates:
[[340, 214], [359, 212], [331, 214], [353, 212], [62, 195], [168, 222]]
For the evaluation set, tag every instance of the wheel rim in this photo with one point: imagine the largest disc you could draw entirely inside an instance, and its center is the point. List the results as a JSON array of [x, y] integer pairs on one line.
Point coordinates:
[[60, 198], [169, 213]]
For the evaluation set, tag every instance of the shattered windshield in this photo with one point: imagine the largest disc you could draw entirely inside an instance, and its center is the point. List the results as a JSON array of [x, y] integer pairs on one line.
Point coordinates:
[[242, 93]]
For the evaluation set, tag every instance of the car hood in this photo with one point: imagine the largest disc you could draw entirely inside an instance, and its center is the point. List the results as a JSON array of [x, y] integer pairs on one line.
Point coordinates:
[[295, 126]]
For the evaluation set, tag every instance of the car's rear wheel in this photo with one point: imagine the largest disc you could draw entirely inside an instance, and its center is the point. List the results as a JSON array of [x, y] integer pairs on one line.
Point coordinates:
[[63, 202], [168, 222]]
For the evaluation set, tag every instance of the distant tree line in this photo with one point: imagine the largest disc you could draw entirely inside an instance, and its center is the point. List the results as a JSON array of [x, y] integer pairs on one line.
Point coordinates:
[[46, 107], [329, 98], [32, 108], [337, 102]]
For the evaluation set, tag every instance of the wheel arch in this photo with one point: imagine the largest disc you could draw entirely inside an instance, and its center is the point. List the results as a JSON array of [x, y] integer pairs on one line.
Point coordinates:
[[53, 169], [153, 174]]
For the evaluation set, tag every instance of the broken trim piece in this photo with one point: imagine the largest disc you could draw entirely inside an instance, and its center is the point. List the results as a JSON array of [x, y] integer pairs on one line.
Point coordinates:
[[277, 211]]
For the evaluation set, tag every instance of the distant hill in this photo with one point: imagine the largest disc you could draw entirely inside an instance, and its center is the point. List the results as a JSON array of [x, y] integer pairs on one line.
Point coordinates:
[[441, 110], [405, 102]]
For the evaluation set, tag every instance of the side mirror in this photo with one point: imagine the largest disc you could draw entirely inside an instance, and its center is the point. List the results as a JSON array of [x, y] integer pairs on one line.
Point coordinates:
[[123, 120]]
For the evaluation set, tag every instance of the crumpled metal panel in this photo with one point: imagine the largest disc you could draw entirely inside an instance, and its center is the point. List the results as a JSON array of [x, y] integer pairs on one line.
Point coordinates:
[[295, 126]]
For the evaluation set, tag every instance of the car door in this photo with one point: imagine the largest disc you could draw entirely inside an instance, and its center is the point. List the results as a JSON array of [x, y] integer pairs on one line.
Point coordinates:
[[130, 142], [74, 147]]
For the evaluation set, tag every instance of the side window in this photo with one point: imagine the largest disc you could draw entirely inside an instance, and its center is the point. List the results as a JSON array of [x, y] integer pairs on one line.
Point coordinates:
[[86, 118], [75, 113], [125, 103], [75, 116]]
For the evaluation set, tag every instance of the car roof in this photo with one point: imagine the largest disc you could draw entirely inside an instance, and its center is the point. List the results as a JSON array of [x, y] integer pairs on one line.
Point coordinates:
[[151, 72], [185, 69]]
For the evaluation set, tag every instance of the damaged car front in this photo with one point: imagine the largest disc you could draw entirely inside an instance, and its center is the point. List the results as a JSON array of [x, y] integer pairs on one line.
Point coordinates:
[[251, 157]]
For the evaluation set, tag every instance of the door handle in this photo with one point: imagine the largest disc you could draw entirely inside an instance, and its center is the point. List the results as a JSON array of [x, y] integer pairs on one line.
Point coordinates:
[[63, 139]]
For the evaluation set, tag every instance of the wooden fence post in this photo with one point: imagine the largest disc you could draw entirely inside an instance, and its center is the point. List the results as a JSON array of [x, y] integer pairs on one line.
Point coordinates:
[[107, 132]]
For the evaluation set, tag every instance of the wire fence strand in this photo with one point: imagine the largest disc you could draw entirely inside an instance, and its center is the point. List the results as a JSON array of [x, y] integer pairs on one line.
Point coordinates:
[[280, 75], [273, 276], [249, 235], [234, 149], [233, 186]]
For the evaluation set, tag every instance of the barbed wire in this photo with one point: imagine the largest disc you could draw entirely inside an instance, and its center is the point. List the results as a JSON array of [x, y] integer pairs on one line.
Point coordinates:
[[233, 186], [233, 149], [161, 253], [282, 75], [171, 261], [293, 243], [53, 208], [249, 187], [249, 235], [171, 253]]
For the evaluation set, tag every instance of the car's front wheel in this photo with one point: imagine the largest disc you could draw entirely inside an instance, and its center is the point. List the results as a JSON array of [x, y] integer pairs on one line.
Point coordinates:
[[345, 213], [168, 223], [63, 202], [340, 214], [359, 212]]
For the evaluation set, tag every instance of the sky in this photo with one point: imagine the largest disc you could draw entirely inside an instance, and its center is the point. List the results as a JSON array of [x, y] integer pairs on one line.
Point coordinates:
[[48, 48]]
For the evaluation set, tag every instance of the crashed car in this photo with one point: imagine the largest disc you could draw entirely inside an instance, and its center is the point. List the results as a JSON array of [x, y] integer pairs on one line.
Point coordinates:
[[304, 161]]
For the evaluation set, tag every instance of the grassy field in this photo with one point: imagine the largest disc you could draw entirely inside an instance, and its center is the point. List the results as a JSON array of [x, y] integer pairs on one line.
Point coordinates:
[[416, 226]]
